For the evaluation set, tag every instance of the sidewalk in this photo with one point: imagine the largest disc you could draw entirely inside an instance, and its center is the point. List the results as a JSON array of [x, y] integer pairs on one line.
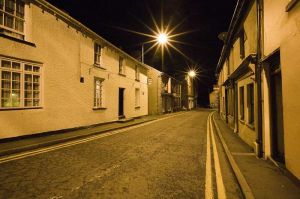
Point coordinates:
[[16, 145], [264, 179]]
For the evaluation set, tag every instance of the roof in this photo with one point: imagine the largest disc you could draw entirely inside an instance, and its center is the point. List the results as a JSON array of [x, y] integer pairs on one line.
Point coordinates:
[[80, 27], [241, 6]]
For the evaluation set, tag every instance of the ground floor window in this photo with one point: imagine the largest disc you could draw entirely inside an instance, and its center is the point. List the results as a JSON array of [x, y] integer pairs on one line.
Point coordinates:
[[20, 84], [137, 97], [98, 93], [250, 103], [241, 95]]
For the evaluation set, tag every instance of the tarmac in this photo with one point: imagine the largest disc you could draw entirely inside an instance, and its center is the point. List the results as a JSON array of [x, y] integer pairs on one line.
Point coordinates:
[[258, 178]]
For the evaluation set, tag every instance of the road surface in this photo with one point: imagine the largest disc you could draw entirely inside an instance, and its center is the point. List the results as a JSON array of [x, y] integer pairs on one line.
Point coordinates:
[[164, 159]]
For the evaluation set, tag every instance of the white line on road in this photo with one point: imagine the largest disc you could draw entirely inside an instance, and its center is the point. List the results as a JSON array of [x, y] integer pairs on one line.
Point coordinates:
[[72, 143], [208, 176]]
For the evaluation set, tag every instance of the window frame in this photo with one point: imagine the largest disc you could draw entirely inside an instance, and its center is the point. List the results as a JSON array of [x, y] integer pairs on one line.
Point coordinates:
[[16, 18], [97, 54], [23, 73], [242, 103], [250, 103], [101, 104], [121, 65], [137, 102], [137, 73]]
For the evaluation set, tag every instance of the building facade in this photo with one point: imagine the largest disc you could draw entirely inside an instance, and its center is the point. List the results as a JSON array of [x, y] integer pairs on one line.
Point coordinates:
[[214, 98], [257, 74], [189, 92], [58, 74], [164, 93]]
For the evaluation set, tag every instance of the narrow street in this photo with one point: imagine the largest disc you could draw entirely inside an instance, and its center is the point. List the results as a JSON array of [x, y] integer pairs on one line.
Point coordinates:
[[162, 159]]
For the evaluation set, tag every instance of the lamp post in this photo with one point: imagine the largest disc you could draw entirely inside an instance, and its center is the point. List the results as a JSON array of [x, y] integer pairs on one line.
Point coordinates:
[[192, 74]]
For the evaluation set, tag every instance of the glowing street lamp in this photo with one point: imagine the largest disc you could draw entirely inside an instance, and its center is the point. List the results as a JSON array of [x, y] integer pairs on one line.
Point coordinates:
[[192, 73], [162, 38]]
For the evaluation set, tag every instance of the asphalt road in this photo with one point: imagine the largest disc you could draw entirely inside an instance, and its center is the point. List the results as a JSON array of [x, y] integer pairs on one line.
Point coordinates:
[[164, 159]]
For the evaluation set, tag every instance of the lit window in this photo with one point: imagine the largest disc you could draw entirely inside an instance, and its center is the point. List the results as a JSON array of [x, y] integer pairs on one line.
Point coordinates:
[[97, 54], [137, 97], [242, 103], [250, 103], [137, 73], [12, 17], [20, 84], [98, 93], [121, 66]]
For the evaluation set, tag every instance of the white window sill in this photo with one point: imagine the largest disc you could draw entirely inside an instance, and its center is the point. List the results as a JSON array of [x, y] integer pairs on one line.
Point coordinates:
[[99, 108], [19, 108], [98, 66], [17, 39]]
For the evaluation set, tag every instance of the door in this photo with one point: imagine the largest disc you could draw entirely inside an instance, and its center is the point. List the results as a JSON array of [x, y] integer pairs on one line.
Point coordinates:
[[121, 103], [277, 134]]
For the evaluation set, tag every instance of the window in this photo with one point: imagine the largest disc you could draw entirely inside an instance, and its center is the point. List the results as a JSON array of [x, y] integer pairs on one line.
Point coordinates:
[[250, 103], [137, 97], [12, 17], [242, 103], [121, 66], [98, 94], [137, 73], [97, 54], [20, 84]]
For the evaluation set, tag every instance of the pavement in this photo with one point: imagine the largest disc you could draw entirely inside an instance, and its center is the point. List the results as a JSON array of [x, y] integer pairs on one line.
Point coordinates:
[[258, 178], [17, 145]]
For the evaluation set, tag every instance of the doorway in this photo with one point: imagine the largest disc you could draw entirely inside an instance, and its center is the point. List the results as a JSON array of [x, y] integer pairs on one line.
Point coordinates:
[[121, 103], [277, 132]]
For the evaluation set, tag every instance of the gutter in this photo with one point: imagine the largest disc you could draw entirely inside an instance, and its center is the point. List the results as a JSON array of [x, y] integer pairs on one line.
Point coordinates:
[[233, 23]]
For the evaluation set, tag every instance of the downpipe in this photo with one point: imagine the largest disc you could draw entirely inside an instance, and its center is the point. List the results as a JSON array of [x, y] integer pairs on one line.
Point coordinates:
[[258, 67]]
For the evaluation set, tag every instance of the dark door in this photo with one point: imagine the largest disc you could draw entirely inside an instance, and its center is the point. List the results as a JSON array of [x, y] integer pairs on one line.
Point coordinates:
[[121, 103], [277, 114]]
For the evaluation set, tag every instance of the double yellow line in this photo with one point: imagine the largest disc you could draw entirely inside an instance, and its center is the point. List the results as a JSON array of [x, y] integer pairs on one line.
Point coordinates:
[[211, 143]]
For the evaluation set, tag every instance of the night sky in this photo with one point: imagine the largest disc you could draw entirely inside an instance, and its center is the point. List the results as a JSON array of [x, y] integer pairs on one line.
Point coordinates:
[[202, 19]]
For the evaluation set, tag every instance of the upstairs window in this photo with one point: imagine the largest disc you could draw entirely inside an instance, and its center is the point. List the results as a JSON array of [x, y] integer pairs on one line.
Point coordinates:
[[137, 73], [12, 18], [20, 84], [97, 54], [121, 66]]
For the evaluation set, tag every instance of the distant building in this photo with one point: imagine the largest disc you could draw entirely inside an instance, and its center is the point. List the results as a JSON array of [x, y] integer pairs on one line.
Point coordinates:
[[257, 75], [164, 93], [214, 98], [189, 93], [58, 74]]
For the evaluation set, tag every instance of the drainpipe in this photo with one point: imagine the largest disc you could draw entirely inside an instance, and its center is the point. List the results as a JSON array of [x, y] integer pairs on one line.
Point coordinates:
[[258, 77]]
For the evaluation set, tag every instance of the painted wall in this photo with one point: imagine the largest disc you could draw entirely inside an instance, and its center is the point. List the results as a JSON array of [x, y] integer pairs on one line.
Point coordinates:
[[247, 132], [155, 89], [281, 30], [67, 55]]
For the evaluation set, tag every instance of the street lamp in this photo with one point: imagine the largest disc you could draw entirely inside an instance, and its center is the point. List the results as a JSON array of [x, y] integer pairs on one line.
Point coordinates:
[[192, 73], [162, 38]]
